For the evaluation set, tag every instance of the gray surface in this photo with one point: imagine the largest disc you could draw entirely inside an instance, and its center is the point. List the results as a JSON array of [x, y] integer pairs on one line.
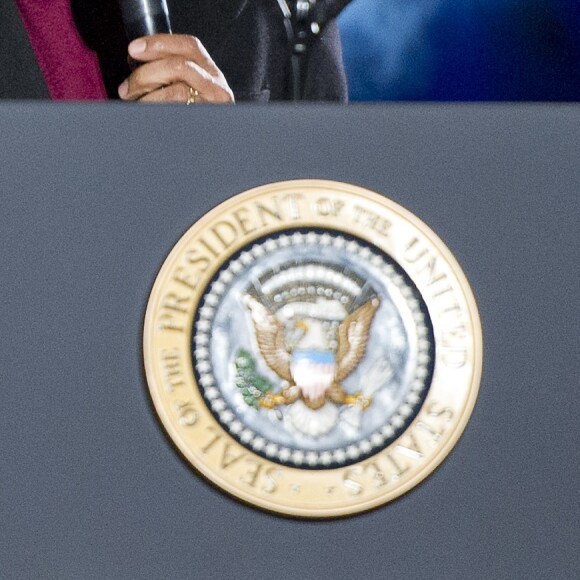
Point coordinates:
[[93, 198]]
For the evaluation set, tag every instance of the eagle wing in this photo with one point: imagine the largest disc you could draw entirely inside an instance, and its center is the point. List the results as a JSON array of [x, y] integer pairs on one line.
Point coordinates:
[[270, 338], [353, 334]]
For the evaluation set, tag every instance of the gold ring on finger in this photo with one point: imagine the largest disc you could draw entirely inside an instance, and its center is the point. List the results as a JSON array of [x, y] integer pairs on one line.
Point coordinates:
[[193, 94]]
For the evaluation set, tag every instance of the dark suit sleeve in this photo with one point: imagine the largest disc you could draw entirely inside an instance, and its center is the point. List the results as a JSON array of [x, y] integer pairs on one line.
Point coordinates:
[[325, 77]]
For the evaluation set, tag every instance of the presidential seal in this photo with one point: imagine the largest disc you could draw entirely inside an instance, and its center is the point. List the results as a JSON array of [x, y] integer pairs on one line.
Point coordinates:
[[312, 348]]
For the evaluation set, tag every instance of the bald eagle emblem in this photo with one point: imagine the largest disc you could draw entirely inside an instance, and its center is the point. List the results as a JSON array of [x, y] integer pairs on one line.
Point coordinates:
[[313, 347]]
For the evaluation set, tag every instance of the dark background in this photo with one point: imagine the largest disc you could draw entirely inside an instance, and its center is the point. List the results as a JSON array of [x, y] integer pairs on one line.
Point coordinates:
[[92, 200]]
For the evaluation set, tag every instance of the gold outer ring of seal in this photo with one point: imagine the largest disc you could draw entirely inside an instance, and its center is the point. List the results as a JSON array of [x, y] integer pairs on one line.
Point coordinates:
[[210, 449]]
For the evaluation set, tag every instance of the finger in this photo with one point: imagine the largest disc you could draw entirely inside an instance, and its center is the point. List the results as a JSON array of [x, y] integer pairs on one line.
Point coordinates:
[[176, 93], [159, 46], [154, 75]]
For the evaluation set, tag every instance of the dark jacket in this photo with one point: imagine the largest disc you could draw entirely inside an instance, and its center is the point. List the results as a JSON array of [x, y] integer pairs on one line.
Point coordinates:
[[246, 38]]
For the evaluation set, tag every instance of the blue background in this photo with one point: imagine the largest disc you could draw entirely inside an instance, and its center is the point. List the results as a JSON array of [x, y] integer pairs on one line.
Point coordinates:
[[451, 50]]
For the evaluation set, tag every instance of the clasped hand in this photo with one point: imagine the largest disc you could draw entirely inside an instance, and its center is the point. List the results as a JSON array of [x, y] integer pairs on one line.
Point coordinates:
[[174, 66]]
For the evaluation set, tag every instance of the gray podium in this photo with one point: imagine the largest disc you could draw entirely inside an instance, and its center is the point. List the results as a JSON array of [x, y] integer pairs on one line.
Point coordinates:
[[92, 200]]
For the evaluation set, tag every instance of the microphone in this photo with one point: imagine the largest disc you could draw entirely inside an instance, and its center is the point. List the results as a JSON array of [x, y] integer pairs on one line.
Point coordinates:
[[144, 17]]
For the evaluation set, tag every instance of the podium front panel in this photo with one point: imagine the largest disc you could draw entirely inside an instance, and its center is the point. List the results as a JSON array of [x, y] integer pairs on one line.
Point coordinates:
[[93, 199]]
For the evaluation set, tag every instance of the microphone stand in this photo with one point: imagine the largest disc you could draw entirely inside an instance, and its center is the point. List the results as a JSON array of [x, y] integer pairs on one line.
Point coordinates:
[[302, 28]]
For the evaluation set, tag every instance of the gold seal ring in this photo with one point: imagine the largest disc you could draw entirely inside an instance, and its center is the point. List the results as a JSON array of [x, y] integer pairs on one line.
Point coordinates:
[[193, 94]]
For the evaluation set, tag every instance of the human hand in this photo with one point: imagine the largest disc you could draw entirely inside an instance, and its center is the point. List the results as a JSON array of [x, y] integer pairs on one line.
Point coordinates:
[[176, 68]]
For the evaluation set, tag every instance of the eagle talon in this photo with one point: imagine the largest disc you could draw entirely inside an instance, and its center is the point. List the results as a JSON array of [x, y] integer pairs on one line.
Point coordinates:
[[359, 399], [270, 400]]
